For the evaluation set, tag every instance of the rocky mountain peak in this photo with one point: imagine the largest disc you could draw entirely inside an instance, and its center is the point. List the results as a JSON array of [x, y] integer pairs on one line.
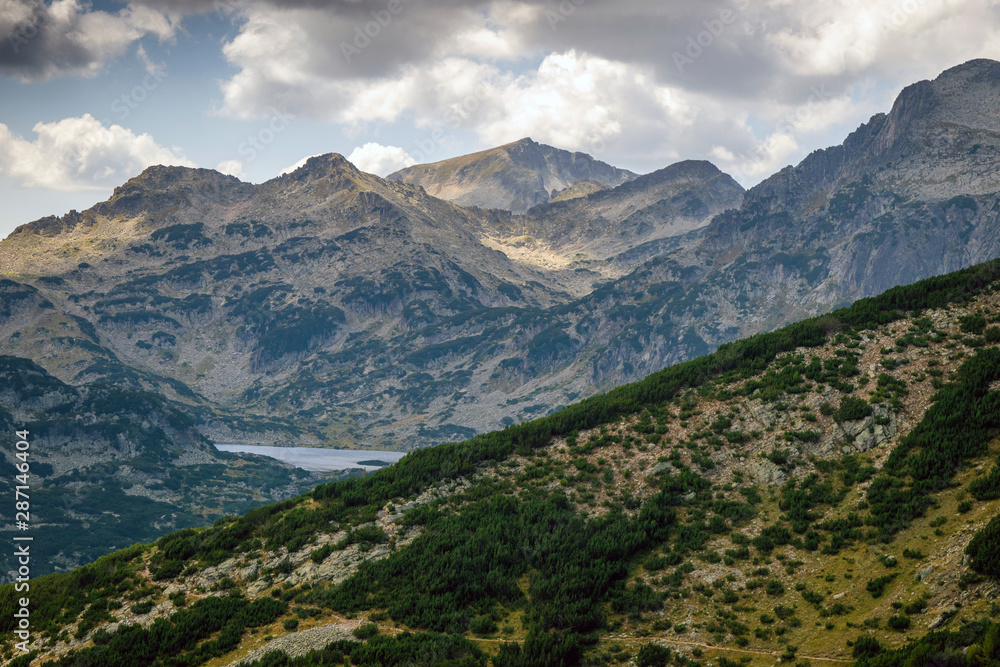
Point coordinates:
[[323, 166], [942, 135], [322, 177], [686, 169], [915, 102], [513, 177], [160, 186], [680, 174], [525, 144], [961, 95], [161, 177], [977, 70], [940, 139]]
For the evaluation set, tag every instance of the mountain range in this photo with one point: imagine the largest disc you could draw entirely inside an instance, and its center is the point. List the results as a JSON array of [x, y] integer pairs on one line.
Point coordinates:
[[827, 492], [332, 307], [227, 295]]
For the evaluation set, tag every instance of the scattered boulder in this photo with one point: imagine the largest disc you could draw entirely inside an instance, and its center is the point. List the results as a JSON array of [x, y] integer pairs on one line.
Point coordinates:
[[867, 434], [941, 619], [299, 643], [765, 471]]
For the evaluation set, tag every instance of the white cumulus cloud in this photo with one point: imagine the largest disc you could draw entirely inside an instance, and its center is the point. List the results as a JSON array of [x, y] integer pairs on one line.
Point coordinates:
[[301, 163], [593, 76], [232, 168], [39, 41], [600, 77], [380, 160], [80, 154]]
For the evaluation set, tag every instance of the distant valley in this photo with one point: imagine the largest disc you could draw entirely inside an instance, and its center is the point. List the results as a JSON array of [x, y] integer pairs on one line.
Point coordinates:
[[331, 307]]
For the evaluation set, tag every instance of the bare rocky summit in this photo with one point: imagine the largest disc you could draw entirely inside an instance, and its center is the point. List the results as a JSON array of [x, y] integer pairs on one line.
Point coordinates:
[[513, 177]]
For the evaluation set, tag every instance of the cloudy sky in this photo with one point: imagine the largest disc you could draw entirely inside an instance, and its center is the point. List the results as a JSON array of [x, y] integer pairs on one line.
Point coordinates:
[[91, 93]]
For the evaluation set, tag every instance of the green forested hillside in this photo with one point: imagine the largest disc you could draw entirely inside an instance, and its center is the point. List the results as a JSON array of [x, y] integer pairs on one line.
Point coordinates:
[[823, 493]]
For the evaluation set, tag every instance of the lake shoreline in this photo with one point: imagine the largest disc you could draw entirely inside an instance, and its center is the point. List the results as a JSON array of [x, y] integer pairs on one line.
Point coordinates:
[[318, 459]]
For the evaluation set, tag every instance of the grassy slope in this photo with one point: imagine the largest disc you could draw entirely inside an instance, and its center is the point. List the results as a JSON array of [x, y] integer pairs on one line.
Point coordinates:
[[593, 479]]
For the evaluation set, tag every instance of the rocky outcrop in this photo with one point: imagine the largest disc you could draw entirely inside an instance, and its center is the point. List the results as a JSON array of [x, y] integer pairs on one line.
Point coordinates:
[[764, 471], [873, 431], [299, 643]]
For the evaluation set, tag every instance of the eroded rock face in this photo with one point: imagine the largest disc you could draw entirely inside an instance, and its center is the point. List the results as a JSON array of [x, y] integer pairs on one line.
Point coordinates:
[[763, 471], [873, 431]]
